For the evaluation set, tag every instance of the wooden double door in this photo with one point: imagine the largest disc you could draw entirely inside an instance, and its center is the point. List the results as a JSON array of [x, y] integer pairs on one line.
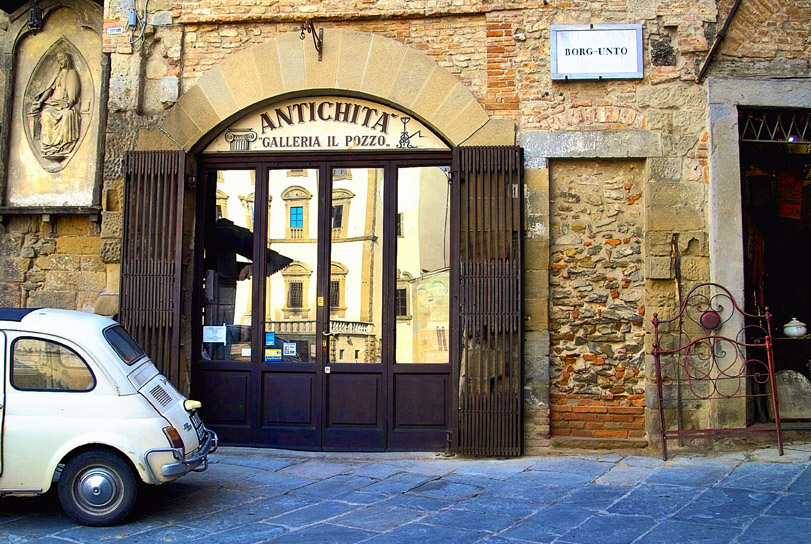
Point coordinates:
[[324, 297]]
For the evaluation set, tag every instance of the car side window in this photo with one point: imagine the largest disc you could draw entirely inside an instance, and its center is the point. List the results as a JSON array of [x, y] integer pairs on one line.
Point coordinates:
[[43, 365]]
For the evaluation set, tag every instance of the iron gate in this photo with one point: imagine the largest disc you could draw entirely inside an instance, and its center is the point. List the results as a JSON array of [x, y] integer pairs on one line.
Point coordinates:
[[489, 194], [151, 254]]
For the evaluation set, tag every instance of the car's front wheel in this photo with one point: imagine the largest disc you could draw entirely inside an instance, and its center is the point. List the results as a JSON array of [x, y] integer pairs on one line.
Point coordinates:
[[97, 488]]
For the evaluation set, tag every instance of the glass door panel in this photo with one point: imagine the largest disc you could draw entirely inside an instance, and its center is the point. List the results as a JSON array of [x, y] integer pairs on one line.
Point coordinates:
[[355, 289], [292, 267], [421, 297], [354, 378], [228, 284]]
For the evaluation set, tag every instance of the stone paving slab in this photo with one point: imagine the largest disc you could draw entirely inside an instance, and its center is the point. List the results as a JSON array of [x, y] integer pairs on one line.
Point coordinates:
[[253, 496]]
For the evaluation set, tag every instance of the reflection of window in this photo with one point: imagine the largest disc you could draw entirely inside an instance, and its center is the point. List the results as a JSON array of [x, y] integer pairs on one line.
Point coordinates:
[[401, 302], [337, 289], [341, 173], [297, 200], [297, 173], [334, 293], [221, 206], [337, 217], [44, 365], [247, 205], [297, 286], [340, 211], [402, 297], [296, 217], [441, 339], [295, 294]]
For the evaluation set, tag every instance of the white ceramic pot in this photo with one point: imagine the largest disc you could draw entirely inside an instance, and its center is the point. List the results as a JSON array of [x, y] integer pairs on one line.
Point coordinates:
[[794, 328]]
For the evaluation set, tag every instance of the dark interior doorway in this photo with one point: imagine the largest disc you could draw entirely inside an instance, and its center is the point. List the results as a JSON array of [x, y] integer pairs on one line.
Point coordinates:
[[776, 201]]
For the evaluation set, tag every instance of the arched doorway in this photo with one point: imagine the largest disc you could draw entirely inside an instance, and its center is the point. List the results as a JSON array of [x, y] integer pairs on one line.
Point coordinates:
[[345, 377], [328, 350]]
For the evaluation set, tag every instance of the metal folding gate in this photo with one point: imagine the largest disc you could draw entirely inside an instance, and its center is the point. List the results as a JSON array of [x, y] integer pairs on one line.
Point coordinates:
[[151, 254], [489, 194]]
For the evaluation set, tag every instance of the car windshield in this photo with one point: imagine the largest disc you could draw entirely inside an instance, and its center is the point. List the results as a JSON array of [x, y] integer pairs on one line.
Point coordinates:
[[123, 344]]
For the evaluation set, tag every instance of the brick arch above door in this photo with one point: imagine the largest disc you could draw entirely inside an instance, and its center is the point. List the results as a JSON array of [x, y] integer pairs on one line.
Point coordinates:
[[356, 63]]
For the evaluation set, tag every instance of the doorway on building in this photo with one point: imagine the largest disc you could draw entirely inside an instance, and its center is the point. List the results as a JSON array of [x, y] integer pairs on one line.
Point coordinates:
[[776, 201], [344, 343]]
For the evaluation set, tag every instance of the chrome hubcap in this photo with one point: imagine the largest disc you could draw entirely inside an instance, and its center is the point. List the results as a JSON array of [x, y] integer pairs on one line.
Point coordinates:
[[97, 488]]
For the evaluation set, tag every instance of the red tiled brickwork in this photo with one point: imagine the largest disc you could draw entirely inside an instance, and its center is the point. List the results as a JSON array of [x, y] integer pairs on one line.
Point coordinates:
[[591, 416]]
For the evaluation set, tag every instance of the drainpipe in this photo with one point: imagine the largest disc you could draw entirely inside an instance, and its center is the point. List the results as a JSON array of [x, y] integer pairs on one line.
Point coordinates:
[[718, 39]]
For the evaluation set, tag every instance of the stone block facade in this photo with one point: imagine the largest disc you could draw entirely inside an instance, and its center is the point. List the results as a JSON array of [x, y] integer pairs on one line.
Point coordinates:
[[618, 176]]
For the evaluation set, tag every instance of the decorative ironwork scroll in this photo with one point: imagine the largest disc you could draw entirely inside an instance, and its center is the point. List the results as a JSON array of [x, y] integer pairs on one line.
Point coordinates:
[[694, 364]]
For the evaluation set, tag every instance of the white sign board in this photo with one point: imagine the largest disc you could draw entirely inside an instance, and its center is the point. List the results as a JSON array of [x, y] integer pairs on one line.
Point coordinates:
[[596, 52], [325, 123]]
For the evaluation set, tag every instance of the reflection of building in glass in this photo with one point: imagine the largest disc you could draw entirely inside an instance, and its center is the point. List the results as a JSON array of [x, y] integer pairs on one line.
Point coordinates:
[[422, 292], [354, 289]]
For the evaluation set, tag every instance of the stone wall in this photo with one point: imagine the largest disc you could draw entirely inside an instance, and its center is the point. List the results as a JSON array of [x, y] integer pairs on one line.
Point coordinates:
[[597, 288], [56, 258]]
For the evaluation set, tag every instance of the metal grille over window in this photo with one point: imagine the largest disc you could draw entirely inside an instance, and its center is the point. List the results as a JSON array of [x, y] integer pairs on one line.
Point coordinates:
[[490, 329], [776, 126]]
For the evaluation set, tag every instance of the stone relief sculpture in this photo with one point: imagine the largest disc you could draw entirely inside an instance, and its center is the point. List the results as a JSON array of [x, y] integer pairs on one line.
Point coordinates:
[[58, 103], [55, 113]]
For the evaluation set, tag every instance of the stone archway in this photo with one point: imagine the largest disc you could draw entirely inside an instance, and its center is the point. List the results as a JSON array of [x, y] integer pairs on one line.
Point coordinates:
[[353, 63]]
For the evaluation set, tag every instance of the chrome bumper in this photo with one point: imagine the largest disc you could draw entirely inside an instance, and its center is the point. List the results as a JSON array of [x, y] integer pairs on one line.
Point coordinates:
[[197, 462]]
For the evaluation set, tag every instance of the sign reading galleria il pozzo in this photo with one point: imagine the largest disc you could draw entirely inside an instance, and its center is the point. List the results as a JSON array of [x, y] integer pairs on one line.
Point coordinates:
[[329, 123]]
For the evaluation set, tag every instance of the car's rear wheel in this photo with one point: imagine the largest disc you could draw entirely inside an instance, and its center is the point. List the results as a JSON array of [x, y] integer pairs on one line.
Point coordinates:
[[97, 488]]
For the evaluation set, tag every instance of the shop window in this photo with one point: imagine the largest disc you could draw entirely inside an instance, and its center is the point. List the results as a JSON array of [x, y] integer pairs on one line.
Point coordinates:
[[43, 365], [297, 201]]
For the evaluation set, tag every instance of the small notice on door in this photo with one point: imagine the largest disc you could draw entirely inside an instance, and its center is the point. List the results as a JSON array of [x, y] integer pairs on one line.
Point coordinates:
[[289, 349], [214, 334], [273, 355]]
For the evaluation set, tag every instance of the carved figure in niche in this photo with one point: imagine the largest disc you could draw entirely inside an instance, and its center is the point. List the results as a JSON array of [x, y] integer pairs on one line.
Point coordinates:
[[55, 111]]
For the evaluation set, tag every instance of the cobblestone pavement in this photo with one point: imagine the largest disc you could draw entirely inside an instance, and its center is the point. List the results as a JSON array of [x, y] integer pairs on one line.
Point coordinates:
[[249, 496]]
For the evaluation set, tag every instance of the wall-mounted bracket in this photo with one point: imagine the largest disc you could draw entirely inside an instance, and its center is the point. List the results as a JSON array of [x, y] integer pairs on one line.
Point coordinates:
[[318, 38]]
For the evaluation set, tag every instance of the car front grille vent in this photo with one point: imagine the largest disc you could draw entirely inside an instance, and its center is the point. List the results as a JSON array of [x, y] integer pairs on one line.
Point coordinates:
[[160, 395]]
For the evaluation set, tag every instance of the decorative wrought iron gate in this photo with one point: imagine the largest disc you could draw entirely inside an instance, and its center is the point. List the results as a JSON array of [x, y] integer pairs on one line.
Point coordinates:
[[151, 254], [489, 193]]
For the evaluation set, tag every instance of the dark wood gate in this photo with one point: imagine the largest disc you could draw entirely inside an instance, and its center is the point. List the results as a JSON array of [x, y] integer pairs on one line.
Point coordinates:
[[151, 254], [489, 193]]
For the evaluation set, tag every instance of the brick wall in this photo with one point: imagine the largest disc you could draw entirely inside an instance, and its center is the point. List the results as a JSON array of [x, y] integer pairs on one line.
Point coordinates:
[[598, 418]]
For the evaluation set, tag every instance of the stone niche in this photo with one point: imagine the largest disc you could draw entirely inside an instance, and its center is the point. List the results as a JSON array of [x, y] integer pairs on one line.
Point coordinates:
[[56, 110]]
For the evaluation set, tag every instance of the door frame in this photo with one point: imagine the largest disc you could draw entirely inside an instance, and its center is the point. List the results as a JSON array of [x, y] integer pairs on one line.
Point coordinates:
[[393, 438]]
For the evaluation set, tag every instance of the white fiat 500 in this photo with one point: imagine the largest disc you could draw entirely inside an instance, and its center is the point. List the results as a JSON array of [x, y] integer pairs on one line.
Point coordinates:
[[82, 406]]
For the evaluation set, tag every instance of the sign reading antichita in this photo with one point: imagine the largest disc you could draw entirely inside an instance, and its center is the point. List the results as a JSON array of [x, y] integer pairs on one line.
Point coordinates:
[[325, 124], [596, 51]]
